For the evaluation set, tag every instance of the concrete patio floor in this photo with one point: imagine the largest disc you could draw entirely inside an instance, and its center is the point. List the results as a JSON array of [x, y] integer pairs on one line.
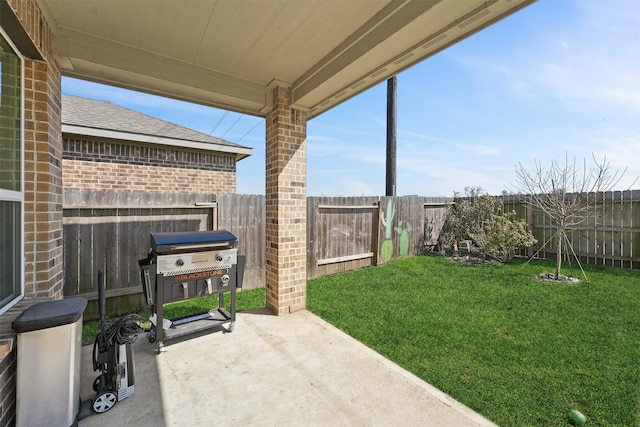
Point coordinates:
[[273, 370]]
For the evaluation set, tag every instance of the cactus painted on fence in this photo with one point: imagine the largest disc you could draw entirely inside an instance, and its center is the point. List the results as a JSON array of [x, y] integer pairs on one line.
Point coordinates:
[[404, 238], [386, 249]]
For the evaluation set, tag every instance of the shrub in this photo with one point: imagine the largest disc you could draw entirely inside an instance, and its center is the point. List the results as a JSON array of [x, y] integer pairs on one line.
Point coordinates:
[[501, 235], [481, 219]]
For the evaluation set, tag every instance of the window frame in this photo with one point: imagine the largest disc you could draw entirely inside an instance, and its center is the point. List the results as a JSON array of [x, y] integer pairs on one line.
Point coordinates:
[[17, 196]]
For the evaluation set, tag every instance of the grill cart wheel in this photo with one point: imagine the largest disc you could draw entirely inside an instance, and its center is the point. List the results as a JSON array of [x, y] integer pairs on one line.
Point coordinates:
[[104, 402]]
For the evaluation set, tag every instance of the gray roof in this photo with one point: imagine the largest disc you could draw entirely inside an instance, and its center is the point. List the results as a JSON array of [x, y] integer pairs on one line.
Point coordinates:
[[84, 116]]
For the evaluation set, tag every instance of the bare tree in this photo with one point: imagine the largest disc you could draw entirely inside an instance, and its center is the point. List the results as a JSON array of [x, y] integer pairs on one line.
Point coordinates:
[[566, 194]]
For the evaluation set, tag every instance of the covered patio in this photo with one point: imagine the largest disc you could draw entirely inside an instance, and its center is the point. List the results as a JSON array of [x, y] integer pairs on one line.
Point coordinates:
[[286, 61]]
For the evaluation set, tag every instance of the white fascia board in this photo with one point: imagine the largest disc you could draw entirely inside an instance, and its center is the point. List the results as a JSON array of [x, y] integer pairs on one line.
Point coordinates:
[[240, 152]]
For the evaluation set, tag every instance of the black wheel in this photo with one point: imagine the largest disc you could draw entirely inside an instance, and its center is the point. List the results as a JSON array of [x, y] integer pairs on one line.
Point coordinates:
[[97, 383], [104, 402], [151, 336]]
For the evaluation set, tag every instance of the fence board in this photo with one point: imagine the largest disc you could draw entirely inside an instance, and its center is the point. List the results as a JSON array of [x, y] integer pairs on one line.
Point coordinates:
[[245, 216], [85, 265], [312, 249], [71, 250], [125, 235]]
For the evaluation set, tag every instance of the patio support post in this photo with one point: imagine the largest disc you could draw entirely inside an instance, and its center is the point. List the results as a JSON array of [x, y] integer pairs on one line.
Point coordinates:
[[286, 205]]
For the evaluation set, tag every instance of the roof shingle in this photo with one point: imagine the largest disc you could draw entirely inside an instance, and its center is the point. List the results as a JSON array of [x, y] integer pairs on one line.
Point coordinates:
[[102, 115]]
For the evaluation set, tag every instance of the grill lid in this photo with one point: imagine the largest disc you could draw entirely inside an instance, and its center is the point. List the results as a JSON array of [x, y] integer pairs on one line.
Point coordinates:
[[165, 243]]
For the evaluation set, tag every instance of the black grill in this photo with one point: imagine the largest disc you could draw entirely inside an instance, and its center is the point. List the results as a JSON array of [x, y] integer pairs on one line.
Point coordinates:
[[188, 265]]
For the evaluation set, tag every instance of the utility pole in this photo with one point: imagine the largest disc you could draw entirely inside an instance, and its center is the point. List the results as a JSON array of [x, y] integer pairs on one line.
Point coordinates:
[[391, 136]]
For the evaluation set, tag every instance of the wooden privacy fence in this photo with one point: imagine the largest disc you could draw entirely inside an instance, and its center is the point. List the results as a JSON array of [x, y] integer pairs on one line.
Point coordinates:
[[611, 236], [112, 230]]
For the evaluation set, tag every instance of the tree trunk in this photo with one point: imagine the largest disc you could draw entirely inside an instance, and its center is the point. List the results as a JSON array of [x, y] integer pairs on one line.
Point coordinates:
[[558, 252]]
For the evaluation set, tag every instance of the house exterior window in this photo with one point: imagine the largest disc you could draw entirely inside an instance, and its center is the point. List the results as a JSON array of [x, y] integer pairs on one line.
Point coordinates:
[[11, 174]]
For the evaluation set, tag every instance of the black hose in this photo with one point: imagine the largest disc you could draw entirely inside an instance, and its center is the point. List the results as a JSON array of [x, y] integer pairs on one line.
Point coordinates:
[[125, 330]]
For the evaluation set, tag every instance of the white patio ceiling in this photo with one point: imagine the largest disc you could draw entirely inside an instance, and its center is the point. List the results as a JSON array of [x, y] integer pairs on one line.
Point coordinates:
[[229, 53]]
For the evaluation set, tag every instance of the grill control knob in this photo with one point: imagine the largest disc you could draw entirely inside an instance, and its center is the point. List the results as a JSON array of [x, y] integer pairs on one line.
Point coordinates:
[[225, 279], [218, 257], [180, 263]]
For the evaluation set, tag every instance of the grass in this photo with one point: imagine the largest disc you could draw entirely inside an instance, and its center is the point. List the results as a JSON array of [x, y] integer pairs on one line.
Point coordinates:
[[519, 351], [246, 300]]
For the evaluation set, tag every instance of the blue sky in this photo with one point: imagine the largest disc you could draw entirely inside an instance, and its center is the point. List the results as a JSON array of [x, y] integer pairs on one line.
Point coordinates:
[[561, 77]]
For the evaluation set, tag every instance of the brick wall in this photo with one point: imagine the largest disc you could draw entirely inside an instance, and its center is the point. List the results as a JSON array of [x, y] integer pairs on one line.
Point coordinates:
[[42, 186], [121, 166], [150, 155]]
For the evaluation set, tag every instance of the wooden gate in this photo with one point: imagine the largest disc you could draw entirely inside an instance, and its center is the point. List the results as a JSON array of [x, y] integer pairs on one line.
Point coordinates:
[[341, 234], [111, 231]]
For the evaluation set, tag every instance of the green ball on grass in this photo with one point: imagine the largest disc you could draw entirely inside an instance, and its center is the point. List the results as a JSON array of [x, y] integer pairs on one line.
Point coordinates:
[[578, 417]]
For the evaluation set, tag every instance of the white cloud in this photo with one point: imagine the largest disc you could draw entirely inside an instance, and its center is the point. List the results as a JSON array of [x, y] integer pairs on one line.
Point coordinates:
[[597, 58], [354, 187], [317, 171], [591, 59], [623, 155]]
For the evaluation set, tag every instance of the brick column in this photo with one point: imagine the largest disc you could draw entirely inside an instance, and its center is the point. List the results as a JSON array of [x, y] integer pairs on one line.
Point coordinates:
[[286, 206], [43, 181]]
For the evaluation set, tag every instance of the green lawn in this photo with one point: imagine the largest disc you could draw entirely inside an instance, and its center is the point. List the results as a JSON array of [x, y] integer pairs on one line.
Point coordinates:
[[519, 351]]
